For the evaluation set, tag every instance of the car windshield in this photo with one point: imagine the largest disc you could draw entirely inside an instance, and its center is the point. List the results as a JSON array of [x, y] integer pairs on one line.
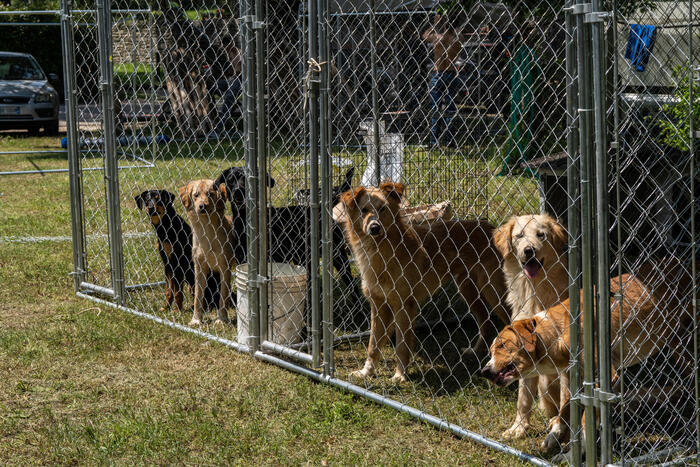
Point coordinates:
[[18, 68]]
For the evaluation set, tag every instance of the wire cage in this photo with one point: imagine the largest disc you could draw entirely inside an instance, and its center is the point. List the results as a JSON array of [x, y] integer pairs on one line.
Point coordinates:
[[406, 200]]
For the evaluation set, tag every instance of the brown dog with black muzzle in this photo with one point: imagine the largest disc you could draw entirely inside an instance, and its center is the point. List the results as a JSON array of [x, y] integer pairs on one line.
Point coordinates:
[[656, 313], [402, 265], [212, 242]]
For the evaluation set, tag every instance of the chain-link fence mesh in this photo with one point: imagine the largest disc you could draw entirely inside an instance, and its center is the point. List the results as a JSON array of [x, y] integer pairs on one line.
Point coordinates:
[[463, 108]]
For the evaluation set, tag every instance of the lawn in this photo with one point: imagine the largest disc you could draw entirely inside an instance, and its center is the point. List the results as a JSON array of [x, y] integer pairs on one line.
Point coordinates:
[[87, 384]]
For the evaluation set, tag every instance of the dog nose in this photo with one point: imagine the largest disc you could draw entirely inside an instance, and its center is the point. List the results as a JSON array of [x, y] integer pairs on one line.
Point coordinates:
[[529, 252], [487, 372], [374, 228], [201, 208]]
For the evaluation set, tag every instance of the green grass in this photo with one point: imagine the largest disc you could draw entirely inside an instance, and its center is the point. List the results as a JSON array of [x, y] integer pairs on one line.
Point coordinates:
[[87, 384]]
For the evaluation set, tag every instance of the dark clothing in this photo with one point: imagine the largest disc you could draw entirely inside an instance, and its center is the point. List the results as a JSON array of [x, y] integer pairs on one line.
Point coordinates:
[[444, 86]]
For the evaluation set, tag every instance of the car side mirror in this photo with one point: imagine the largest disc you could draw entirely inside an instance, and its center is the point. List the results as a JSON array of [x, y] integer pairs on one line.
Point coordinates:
[[53, 77]]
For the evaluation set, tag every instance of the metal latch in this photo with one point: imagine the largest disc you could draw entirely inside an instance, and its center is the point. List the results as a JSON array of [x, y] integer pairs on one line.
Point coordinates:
[[597, 16], [579, 9], [252, 22], [603, 396], [260, 280]]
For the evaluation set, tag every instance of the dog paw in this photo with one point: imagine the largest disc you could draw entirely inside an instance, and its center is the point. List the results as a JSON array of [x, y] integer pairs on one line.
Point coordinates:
[[195, 322], [363, 373], [399, 378], [222, 321], [517, 431]]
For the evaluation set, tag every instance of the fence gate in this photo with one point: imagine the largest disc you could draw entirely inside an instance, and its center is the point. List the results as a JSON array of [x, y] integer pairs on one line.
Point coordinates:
[[482, 111]]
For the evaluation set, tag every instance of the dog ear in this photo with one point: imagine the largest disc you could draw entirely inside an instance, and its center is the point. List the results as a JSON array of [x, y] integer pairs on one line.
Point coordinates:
[[393, 190], [223, 191], [351, 197], [560, 237], [185, 196], [502, 235], [167, 197], [525, 329], [139, 200]]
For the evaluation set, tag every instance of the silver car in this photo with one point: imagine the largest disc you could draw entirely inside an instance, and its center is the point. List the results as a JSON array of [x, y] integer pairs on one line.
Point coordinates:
[[27, 99]]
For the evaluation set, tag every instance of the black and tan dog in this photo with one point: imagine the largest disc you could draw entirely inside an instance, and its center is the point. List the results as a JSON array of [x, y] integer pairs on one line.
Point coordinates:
[[175, 249]]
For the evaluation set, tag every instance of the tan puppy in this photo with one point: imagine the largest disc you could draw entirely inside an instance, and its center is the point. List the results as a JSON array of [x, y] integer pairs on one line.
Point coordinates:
[[402, 265], [535, 265], [656, 312], [212, 242]]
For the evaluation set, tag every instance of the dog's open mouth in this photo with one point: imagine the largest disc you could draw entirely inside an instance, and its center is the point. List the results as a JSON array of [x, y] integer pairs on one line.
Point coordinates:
[[505, 376], [532, 267]]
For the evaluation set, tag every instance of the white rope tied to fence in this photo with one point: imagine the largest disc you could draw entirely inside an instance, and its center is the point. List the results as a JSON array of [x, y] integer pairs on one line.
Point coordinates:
[[314, 66]]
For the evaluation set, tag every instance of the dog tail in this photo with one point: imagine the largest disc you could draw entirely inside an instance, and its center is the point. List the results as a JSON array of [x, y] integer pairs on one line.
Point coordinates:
[[347, 182]]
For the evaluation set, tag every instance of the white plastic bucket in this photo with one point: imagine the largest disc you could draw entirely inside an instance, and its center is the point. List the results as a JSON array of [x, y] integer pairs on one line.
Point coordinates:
[[286, 299]]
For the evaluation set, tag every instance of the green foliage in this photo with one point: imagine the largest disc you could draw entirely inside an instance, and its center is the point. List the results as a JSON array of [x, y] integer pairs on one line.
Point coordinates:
[[675, 124], [26, 5]]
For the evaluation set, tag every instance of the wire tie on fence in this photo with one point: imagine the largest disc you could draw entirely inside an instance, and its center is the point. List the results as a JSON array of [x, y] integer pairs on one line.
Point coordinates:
[[614, 144], [585, 110], [314, 66]]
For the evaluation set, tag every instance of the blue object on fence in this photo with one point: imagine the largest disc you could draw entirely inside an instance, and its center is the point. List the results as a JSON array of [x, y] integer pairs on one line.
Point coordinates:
[[64, 142], [640, 44]]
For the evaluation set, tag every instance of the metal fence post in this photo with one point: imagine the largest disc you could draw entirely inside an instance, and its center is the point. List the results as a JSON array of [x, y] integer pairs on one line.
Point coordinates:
[[74, 165], [325, 155], [251, 155], [574, 227], [585, 110], [314, 84], [618, 200], [693, 243], [104, 26], [601, 225], [259, 27]]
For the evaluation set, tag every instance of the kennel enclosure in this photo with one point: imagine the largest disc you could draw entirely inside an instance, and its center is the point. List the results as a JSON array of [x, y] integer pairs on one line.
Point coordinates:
[[327, 86]]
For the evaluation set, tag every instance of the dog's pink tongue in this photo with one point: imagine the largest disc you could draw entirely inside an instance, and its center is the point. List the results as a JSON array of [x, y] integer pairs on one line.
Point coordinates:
[[532, 268]]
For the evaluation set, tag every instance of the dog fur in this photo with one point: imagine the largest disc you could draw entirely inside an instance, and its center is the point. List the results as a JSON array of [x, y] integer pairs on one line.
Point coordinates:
[[535, 266], [654, 316], [401, 265], [212, 242], [174, 247]]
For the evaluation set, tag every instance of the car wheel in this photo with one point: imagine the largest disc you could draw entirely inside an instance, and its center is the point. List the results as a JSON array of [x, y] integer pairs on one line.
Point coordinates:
[[51, 128]]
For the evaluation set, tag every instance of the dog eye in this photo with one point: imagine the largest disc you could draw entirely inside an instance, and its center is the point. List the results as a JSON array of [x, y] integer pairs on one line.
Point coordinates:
[[364, 210], [540, 235], [519, 235]]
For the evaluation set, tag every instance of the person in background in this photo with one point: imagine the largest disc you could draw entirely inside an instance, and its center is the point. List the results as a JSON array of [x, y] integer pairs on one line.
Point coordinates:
[[229, 83], [444, 80]]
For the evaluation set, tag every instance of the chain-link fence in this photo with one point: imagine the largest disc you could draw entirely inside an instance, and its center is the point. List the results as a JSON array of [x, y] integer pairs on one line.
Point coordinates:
[[396, 192]]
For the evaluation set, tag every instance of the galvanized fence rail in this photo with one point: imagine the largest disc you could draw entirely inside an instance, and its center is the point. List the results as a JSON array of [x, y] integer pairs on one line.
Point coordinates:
[[498, 112]]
